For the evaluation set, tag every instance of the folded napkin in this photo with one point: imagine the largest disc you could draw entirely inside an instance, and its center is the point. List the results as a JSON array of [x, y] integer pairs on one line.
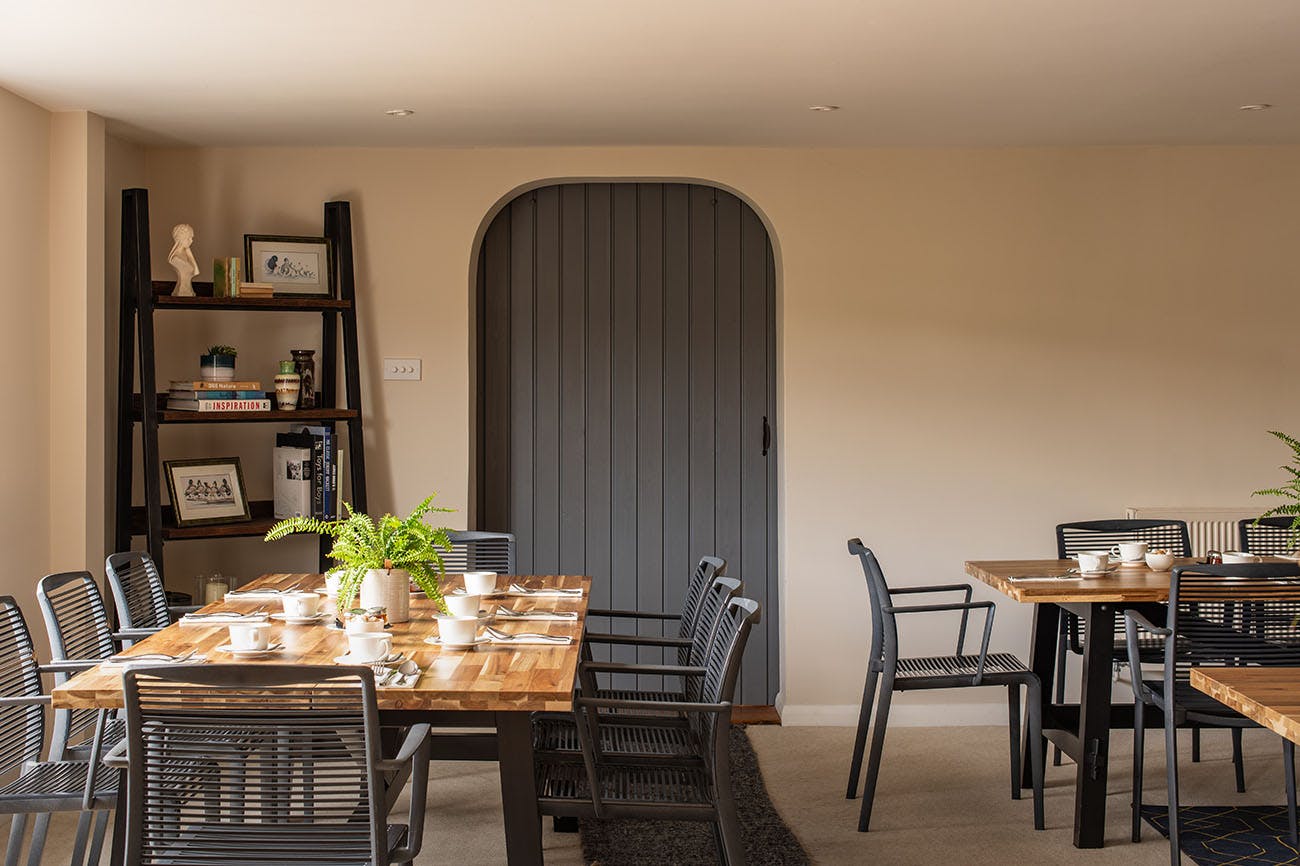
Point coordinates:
[[499, 637], [221, 617], [236, 595], [146, 660], [510, 613], [555, 592]]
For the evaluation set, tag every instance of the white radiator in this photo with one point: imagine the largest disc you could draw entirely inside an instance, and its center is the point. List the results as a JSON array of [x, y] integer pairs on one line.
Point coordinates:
[[1209, 528]]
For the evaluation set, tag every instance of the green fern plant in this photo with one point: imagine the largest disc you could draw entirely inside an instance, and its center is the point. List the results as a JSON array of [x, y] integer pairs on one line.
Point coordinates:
[[362, 543], [1289, 490]]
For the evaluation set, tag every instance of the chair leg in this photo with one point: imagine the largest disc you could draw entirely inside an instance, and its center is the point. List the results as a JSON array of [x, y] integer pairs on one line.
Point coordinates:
[[1196, 745], [864, 724], [78, 857], [1288, 766], [877, 746], [17, 827], [1171, 763], [37, 846], [1238, 762], [1060, 683], [1038, 756], [1139, 755], [1013, 724], [97, 841], [732, 850]]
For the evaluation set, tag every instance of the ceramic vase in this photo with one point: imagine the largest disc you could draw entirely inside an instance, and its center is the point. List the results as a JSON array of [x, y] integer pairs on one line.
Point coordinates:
[[305, 365], [288, 386], [390, 588]]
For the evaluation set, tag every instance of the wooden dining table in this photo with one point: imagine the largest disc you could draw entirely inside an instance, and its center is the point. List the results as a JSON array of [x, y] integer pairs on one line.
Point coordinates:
[[1267, 695], [492, 687], [1080, 730]]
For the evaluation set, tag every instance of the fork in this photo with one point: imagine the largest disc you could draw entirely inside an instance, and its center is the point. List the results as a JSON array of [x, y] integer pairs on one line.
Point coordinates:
[[500, 635]]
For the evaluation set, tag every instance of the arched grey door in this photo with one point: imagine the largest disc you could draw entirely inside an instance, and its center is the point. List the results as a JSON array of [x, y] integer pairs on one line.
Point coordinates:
[[626, 386]]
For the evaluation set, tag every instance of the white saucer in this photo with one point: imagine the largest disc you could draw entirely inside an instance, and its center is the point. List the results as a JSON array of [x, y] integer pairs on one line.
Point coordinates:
[[301, 620], [1132, 563], [437, 641], [271, 650]]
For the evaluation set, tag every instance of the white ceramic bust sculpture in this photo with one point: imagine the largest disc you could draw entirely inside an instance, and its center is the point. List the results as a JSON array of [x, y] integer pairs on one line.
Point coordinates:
[[182, 260]]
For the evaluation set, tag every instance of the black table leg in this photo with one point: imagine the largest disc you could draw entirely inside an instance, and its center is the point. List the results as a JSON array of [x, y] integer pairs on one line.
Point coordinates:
[[519, 790], [1042, 661], [1094, 726]]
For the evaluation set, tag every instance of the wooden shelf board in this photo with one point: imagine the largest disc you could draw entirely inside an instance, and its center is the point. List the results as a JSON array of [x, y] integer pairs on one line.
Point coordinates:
[[261, 509], [203, 300], [292, 416]]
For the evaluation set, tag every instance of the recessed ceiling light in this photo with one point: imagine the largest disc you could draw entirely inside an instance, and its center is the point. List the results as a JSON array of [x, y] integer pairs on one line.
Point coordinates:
[[400, 112], [1256, 106], [823, 108]]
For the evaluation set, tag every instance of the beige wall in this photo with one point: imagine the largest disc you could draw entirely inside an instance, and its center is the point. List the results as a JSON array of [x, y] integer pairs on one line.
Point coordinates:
[[24, 347], [947, 319]]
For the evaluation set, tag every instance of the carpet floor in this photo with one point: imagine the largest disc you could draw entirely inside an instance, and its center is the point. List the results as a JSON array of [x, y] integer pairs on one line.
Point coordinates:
[[943, 799]]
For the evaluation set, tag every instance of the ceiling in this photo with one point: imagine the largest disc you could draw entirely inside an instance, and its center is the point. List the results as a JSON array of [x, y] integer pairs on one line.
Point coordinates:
[[665, 72]]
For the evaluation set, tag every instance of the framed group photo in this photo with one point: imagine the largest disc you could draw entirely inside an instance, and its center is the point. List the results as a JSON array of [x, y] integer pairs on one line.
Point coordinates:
[[207, 491], [293, 265]]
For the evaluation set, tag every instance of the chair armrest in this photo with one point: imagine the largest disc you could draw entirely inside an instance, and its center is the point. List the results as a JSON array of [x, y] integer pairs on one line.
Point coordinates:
[[645, 640], [177, 610], [632, 668], [117, 757], [1133, 623], [415, 737], [68, 666], [658, 706], [134, 633], [965, 607], [942, 587], [26, 701], [632, 614]]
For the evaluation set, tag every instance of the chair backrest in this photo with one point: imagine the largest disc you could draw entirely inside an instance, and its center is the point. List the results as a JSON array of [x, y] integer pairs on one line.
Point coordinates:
[[22, 727], [223, 755], [708, 568], [884, 628], [1271, 537], [138, 591], [473, 550], [77, 624], [1103, 534], [1233, 615], [712, 609]]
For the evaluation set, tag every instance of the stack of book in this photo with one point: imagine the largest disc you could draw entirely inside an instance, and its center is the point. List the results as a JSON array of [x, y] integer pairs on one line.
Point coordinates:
[[255, 290], [204, 396], [306, 467]]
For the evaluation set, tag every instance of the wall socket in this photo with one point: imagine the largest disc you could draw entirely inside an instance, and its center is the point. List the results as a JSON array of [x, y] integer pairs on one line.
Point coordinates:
[[402, 368]]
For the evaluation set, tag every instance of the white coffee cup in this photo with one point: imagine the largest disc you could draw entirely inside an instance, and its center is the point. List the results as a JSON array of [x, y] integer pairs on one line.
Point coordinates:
[[462, 604], [480, 582], [369, 646], [457, 629], [250, 635], [1160, 561], [301, 604], [1093, 561], [1130, 551], [1238, 557], [332, 582]]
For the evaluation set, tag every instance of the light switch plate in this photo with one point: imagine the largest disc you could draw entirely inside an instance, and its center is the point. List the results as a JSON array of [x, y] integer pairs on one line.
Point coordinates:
[[402, 368]]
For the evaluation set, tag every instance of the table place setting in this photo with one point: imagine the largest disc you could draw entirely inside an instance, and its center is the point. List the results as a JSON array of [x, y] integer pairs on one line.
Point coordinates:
[[255, 594], [148, 659], [526, 639], [503, 612], [520, 591], [222, 617]]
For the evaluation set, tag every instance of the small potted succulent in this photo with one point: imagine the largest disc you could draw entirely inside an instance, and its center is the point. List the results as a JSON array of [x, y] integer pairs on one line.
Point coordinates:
[[380, 559], [218, 364]]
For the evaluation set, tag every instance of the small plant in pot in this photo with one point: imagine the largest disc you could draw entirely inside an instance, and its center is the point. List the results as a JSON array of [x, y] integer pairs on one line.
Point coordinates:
[[379, 559], [218, 364]]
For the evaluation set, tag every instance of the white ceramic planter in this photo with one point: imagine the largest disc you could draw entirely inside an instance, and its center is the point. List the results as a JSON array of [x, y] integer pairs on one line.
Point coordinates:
[[390, 589]]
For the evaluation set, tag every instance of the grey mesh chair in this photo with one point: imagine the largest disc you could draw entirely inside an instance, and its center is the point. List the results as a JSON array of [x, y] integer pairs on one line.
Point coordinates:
[[1080, 535], [139, 596], [475, 550], [33, 786], [937, 672], [1219, 616], [692, 783], [313, 785], [1267, 536]]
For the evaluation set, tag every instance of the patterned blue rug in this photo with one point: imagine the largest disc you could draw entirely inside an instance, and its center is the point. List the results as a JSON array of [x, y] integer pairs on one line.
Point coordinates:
[[1230, 835]]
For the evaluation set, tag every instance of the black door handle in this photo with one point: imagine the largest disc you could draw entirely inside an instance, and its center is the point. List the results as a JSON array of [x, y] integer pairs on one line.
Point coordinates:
[[767, 436]]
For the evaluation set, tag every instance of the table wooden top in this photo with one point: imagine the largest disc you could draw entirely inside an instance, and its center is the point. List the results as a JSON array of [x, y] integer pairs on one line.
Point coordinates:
[[490, 677], [1268, 695], [1126, 583]]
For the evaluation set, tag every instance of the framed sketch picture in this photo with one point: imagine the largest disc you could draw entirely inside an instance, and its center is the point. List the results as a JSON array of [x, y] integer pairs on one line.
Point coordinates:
[[207, 491], [293, 265]]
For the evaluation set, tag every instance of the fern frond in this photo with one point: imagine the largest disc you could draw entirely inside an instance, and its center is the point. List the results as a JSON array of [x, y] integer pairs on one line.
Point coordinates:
[[293, 525]]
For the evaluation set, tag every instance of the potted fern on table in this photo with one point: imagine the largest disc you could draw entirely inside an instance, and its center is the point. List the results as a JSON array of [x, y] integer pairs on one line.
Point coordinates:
[[378, 559], [1289, 490]]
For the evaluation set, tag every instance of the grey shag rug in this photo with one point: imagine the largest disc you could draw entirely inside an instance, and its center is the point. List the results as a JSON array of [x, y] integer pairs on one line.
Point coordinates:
[[768, 841]]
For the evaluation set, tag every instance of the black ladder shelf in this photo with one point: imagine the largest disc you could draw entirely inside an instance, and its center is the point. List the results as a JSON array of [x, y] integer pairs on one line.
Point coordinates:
[[142, 298]]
